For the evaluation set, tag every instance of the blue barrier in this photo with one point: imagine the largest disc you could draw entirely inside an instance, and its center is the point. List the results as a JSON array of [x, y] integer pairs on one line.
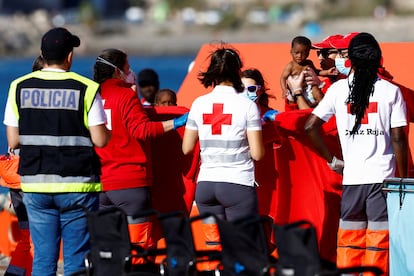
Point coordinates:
[[400, 203]]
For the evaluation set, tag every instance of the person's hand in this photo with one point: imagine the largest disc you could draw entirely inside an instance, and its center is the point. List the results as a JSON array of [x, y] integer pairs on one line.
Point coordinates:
[[336, 165], [180, 121], [295, 83], [333, 71], [270, 115], [311, 78]]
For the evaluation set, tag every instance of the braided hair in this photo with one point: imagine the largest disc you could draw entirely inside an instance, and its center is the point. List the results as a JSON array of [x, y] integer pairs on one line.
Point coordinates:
[[365, 55], [225, 65]]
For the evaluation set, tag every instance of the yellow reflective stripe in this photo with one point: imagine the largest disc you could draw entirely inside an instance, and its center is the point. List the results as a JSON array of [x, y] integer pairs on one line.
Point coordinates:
[[90, 95], [12, 93], [12, 97], [61, 187]]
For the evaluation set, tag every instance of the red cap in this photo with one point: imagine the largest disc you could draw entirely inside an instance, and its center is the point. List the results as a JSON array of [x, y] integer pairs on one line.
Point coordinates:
[[344, 42], [326, 43]]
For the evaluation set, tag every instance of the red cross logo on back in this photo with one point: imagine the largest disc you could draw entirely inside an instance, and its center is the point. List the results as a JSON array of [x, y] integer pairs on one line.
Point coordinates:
[[372, 108], [217, 119]]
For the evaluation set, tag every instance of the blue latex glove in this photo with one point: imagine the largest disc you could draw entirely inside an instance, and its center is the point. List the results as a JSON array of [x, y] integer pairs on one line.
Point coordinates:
[[270, 115], [180, 121]]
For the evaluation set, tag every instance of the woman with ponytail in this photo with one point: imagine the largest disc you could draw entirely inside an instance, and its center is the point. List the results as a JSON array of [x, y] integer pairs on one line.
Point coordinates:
[[229, 131]]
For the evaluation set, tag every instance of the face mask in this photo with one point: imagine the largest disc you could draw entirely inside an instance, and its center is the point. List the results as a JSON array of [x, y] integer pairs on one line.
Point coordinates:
[[341, 66], [250, 92], [130, 78], [251, 95]]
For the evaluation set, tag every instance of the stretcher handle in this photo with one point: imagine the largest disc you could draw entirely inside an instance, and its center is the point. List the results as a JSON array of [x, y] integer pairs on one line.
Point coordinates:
[[398, 180], [397, 190], [402, 190]]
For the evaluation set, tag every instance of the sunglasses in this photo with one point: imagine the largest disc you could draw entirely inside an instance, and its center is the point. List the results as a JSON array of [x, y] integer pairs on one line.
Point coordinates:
[[252, 88], [325, 52]]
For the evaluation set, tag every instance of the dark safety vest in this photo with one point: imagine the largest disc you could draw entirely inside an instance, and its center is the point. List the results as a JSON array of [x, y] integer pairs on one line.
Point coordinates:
[[56, 151]]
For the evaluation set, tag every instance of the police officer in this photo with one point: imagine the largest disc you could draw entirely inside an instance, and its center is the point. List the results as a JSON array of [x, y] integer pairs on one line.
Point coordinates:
[[56, 118]]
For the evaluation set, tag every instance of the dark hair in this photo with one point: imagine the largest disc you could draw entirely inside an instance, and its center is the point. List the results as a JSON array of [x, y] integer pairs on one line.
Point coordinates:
[[256, 75], [38, 63], [168, 91], [103, 71], [225, 65], [147, 77], [302, 40], [365, 55]]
